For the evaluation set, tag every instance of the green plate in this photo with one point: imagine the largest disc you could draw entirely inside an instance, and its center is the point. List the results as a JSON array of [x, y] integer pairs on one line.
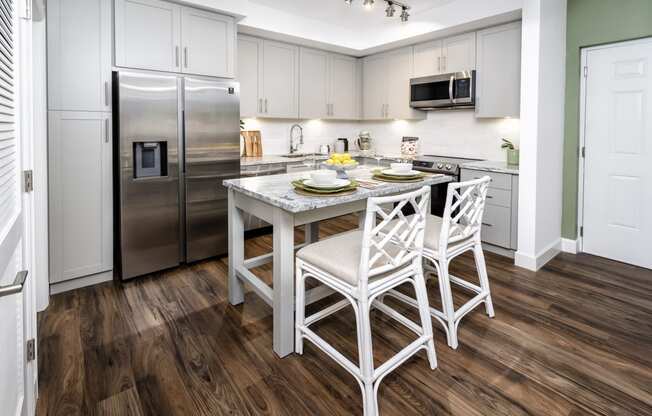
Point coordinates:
[[300, 185]]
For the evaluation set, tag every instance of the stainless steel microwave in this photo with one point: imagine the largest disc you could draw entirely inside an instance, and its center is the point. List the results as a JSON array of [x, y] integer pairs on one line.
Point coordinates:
[[454, 90]]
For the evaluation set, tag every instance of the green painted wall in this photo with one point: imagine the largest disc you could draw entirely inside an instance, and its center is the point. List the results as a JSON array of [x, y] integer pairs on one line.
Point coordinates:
[[592, 22]]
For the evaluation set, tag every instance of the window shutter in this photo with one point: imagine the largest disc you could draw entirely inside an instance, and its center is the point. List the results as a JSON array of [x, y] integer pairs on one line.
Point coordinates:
[[9, 183]]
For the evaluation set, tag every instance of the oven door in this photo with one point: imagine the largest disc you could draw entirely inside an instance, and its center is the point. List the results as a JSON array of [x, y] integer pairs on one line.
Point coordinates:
[[429, 92]]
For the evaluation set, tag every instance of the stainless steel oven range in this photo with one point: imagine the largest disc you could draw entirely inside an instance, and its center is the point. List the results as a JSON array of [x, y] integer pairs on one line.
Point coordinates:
[[440, 164]]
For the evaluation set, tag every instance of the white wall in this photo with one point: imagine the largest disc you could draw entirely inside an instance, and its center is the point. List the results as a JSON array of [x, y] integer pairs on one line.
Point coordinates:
[[449, 133], [542, 118]]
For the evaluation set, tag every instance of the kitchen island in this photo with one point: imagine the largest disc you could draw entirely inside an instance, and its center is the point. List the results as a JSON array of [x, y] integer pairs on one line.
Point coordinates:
[[273, 199]]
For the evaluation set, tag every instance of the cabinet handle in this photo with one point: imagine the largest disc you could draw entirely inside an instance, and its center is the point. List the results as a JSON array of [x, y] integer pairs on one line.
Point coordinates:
[[260, 105], [106, 94], [487, 224], [265, 105], [106, 130], [332, 110], [176, 56], [185, 57], [490, 197]]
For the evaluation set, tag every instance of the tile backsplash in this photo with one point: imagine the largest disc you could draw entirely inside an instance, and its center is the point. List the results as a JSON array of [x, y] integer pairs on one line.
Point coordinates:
[[449, 133]]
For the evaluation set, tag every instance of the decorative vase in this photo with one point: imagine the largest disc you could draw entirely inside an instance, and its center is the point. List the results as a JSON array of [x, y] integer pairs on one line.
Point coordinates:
[[512, 156]]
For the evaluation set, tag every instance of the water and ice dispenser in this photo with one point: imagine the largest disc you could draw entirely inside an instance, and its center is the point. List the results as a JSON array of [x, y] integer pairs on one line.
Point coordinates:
[[150, 159]]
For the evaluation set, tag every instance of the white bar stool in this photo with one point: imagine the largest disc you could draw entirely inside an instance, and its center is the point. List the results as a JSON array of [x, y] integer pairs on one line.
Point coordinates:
[[362, 265], [448, 237]]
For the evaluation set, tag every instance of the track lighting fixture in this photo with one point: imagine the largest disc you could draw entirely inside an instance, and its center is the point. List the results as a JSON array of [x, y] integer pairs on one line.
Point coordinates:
[[390, 11]]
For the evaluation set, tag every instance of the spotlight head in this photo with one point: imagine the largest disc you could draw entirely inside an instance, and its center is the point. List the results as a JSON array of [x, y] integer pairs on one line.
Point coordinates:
[[368, 4], [405, 16], [348, 2], [389, 11]]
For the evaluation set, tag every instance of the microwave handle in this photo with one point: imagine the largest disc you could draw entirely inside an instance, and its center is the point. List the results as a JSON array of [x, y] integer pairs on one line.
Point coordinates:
[[450, 89]]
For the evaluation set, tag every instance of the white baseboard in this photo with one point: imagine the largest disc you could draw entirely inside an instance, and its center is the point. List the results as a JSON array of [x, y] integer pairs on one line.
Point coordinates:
[[93, 279], [534, 263], [569, 246]]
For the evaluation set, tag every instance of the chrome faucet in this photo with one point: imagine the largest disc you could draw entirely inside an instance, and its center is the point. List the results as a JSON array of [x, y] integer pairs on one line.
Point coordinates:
[[294, 147]]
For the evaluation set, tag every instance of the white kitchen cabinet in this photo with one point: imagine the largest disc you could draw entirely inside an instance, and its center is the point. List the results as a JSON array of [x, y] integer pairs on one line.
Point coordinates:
[[427, 59], [344, 87], [280, 80], [79, 55], [250, 58], [314, 84], [374, 87], [328, 85], [399, 65], [458, 53], [498, 92], [148, 35], [162, 36], [81, 210], [208, 41]]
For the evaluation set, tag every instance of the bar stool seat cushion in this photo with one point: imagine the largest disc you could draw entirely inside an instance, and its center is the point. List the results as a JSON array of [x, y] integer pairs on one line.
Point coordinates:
[[339, 255]]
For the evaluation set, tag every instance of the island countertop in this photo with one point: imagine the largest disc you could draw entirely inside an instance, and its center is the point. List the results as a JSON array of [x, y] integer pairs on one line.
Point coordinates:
[[492, 166], [278, 191]]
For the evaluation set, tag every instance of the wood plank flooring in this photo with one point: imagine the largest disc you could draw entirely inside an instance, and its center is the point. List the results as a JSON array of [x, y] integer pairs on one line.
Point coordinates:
[[572, 339]]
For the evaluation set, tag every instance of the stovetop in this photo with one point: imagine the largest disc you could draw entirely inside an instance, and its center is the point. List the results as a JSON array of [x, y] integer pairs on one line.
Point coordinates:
[[441, 164]]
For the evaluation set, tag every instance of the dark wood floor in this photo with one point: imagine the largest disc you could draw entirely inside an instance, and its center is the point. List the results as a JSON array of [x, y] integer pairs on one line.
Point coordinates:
[[572, 339]]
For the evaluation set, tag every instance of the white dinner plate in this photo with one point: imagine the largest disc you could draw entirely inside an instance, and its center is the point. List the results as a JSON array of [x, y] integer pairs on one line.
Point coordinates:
[[392, 172], [337, 183]]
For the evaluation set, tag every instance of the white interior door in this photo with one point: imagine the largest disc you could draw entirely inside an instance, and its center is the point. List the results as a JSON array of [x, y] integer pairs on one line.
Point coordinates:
[[617, 215], [17, 303]]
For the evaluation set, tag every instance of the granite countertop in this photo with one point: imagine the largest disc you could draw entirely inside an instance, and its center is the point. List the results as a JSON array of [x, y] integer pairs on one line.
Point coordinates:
[[278, 159], [492, 166], [277, 190]]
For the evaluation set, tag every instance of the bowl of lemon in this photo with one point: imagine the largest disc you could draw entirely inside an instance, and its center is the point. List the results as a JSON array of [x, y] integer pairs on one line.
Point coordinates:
[[340, 162]]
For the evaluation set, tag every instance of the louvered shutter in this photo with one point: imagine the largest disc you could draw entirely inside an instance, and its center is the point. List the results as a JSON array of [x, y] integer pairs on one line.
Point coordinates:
[[9, 184]]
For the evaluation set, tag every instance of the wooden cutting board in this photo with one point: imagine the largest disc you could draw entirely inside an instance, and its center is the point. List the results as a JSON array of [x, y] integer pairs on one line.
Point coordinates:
[[253, 143]]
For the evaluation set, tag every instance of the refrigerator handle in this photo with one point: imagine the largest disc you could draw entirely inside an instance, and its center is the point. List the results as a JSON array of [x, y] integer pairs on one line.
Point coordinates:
[[185, 56], [176, 56]]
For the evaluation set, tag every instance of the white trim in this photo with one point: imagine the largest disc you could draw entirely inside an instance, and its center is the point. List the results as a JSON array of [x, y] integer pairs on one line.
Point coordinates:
[[569, 246], [544, 256], [582, 128], [91, 280]]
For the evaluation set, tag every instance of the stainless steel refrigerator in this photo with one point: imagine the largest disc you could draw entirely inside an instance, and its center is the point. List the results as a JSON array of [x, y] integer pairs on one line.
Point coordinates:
[[177, 139]]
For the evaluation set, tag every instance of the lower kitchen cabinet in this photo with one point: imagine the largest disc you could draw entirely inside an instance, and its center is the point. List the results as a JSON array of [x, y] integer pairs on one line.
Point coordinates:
[[500, 222], [80, 194]]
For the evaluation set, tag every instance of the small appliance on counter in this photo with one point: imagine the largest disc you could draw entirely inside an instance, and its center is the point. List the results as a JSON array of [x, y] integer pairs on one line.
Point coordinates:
[[342, 145], [325, 149], [364, 141]]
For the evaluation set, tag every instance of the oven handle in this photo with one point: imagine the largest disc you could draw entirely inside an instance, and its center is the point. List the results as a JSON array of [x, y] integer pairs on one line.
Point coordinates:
[[450, 89]]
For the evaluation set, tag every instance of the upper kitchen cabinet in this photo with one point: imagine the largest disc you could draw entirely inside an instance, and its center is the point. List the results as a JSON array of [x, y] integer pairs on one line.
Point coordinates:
[[79, 55], [386, 86], [498, 92], [157, 35], [208, 43], [250, 58], [328, 85], [452, 54], [280, 68], [314, 79], [148, 35], [458, 53], [344, 87], [427, 59]]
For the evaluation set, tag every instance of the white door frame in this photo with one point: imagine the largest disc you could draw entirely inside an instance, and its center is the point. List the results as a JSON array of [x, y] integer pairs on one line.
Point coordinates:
[[582, 136]]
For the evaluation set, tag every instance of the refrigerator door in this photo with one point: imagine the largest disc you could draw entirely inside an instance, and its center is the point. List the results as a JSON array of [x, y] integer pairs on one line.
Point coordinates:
[[212, 154], [148, 182]]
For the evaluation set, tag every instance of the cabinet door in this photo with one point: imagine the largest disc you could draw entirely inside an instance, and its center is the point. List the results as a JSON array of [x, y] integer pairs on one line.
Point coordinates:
[[344, 88], [208, 41], [427, 59], [250, 56], [80, 194], [79, 55], [147, 35], [498, 91], [374, 87], [399, 67], [313, 84], [280, 80], [458, 53]]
